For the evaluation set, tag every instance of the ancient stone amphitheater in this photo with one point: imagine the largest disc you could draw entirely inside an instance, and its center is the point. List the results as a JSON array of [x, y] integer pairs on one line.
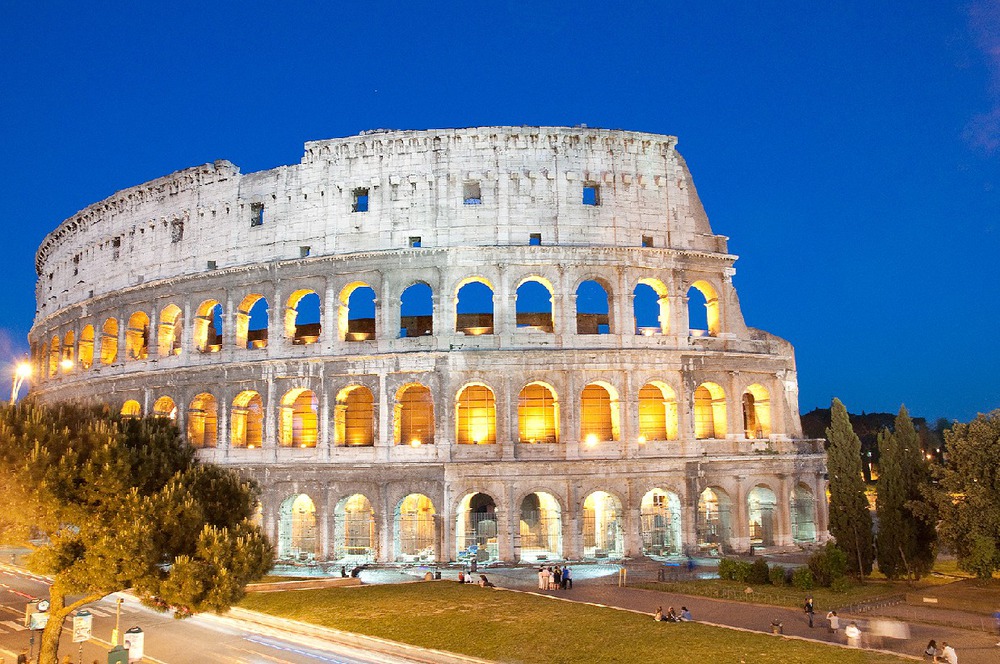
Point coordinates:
[[497, 343]]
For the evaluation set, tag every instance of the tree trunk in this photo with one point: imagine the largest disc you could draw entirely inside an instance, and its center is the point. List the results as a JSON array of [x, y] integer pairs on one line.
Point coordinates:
[[48, 647]]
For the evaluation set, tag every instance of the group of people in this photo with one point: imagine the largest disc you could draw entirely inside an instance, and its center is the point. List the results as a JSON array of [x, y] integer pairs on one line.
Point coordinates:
[[554, 577], [945, 653], [671, 616]]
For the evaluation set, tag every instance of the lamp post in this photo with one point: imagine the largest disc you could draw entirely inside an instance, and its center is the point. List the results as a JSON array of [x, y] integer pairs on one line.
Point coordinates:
[[22, 371]]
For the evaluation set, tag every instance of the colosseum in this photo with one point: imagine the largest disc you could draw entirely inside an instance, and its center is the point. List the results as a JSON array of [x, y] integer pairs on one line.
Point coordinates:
[[496, 343]]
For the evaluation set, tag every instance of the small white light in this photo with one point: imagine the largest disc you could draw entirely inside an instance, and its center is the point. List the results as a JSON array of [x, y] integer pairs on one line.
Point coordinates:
[[591, 439]]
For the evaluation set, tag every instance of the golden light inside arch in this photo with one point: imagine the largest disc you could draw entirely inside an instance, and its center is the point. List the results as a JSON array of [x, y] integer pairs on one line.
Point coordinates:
[[591, 439]]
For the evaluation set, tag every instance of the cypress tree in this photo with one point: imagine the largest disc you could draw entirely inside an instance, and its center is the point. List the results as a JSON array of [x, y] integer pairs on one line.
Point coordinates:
[[850, 519]]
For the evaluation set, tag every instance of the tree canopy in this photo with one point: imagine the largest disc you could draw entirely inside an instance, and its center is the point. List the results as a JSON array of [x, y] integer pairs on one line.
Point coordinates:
[[969, 500], [109, 504], [850, 518]]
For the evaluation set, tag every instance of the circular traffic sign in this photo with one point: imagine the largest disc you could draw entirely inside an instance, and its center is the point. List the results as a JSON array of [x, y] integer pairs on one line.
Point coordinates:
[[43, 605]]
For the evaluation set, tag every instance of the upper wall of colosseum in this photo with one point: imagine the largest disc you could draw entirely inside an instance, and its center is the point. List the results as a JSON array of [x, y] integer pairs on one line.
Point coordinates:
[[493, 186]]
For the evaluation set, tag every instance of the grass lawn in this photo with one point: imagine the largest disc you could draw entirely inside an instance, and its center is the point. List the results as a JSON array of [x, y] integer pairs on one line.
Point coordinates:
[[515, 627]]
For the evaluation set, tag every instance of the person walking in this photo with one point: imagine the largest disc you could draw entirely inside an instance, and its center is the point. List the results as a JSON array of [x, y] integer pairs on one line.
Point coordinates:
[[809, 609], [834, 621], [853, 633]]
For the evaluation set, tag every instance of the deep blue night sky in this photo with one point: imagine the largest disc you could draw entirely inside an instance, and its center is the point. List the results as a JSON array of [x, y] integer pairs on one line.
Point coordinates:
[[850, 152]]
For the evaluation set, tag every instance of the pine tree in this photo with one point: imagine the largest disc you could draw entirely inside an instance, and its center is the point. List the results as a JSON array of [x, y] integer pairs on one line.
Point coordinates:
[[850, 519]]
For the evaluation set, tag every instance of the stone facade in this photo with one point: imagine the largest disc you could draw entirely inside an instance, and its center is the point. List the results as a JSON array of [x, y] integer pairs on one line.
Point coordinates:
[[406, 419]]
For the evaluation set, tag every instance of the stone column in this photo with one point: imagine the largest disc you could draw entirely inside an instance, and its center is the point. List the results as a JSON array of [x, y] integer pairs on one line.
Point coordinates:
[[330, 319], [386, 529], [783, 536], [383, 433], [740, 540], [154, 333], [322, 525]]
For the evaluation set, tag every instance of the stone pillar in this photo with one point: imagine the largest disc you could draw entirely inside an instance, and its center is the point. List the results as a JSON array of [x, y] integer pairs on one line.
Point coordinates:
[[440, 551], [625, 316], [633, 526], [386, 528], [277, 341], [505, 535], [383, 438], [272, 415], [324, 442], [322, 525], [154, 333], [572, 524], [330, 319], [740, 540], [678, 322], [783, 535], [222, 425]]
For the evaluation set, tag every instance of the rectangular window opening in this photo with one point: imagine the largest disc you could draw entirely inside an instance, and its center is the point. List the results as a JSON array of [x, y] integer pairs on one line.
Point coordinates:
[[472, 194], [647, 240], [211, 265], [304, 252], [256, 214], [591, 193], [176, 230], [360, 200], [535, 240], [415, 241]]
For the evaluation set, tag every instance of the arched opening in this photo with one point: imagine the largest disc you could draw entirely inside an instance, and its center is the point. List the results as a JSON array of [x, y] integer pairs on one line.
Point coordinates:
[[109, 341], [476, 416], [476, 529], [168, 337], [357, 312], [87, 347], [761, 505], [299, 421], [302, 318], [416, 311], [165, 407], [537, 414], [414, 529], [297, 529], [592, 307], [354, 419], [137, 337], [756, 412], [603, 527], [68, 362], [709, 411], [540, 527], [131, 409], [533, 306], [713, 525], [54, 356], [803, 508], [598, 413], [247, 421], [251, 322], [203, 421], [651, 307], [657, 412], [703, 310], [474, 308], [354, 527], [208, 327], [414, 416], [660, 523]]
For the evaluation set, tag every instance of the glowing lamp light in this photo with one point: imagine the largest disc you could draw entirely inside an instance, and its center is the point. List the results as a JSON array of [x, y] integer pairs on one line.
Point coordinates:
[[66, 365], [250, 447], [21, 372], [642, 440], [591, 439], [415, 442], [303, 445]]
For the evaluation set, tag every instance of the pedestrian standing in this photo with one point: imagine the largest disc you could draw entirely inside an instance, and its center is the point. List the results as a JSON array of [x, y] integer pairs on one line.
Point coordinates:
[[567, 580], [541, 578], [853, 633], [809, 609], [948, 654], [557, 577], [834, 621], [547, 578]]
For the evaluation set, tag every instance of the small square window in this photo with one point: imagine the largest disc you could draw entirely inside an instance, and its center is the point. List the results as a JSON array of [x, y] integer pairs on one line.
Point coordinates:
[[535, 239], [256, 214], [415, 241], [591, 193], [304, 252], [647, 240], [360, 200], [211, 265], [471, 194]]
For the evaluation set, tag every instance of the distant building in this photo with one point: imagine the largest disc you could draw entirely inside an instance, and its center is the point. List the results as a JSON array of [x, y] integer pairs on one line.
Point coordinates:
[[445, 344]]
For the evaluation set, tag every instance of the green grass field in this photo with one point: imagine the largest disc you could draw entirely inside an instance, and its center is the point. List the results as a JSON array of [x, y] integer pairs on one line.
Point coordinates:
[[515, 627]]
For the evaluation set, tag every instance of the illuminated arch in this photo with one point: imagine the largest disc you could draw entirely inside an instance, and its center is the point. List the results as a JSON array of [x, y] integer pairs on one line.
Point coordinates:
[[297, 529], [354, 418], [415, 533], [303, 306], [137, 336], [538, 414], [533, 304], [168, 337], [713, 523], [711, 298], [87, 347], [54, 356], [762, 514], [299, 421], [166, 408], [414, 416], [68, 362], [540, 523], [247, 422], [660, 523], [203, 421], [475, 415], [709, 411], [599, 413], [109, 341], [651, 307], [356, 314], [416, 311], [355, 540], [603, 526], [593, 307], [472, 315], [756, 412], [131, 409], [657, 412], [208, 327], [251, 322], [476, 529]]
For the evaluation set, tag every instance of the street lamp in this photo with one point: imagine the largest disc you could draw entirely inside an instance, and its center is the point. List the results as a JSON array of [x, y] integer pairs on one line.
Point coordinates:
[[21, 371]]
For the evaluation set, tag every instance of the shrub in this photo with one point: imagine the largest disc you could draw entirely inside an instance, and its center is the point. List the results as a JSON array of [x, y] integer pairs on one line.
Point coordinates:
[[741, 571], [777, 575], [727, 569], [841, 584], [802, 578], [828, 564], [759, 573]]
